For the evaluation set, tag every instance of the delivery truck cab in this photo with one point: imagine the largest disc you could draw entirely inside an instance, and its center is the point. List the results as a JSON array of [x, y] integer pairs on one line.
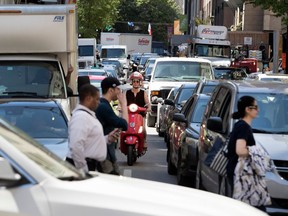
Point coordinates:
[[38, 44]]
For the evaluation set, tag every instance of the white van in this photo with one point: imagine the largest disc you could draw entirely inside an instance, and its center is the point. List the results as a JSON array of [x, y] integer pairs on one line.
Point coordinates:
[[115, 52], [173, 72]]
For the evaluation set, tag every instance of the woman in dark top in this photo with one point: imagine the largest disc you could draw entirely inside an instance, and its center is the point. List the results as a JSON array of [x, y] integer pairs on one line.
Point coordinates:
[[241, 135]]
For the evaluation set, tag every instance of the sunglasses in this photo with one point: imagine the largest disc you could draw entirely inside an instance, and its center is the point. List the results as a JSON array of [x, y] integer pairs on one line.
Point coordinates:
[[135, 81], [253, 107]]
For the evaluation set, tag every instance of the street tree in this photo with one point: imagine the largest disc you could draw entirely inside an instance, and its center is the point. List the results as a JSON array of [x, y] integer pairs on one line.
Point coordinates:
[[159, 13], [96, 15]]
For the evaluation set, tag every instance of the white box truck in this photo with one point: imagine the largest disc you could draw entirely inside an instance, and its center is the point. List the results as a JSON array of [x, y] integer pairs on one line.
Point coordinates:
[[38, 43], [87, 51], [211, 42], [136, 43]]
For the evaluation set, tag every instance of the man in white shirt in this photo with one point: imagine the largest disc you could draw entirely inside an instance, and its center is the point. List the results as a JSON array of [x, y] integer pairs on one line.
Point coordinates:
[[86, 140]]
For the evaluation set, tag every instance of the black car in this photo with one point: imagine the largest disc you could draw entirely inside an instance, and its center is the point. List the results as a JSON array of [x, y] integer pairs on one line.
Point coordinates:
[[184, 133]]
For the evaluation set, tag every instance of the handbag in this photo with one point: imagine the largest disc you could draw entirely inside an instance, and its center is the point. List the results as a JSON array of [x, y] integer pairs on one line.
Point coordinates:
[[217, 157]]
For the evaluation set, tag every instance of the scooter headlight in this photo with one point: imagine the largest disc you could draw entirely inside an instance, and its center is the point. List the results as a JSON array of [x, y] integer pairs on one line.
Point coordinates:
[[133, 108]]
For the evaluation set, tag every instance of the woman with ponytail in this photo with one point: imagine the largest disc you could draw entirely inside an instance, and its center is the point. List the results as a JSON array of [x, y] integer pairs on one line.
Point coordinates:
[[247, 184]]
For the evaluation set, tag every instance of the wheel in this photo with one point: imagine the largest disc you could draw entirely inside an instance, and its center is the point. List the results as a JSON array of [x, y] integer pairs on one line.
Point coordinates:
[[224, 187], [182, 179], [151, 120], [198, 181], [130, 155], [171, 168]]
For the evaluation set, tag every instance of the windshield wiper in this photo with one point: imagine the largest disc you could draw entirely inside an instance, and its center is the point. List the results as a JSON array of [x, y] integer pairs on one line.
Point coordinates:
[[261, 131], [167, 77], [280, 132]]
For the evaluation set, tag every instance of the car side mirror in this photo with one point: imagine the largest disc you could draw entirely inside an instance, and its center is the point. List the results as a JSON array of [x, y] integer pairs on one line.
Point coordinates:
[[159, 100], [149, 77], [169, 102], [8, 178], [215, 124], [179, 117]]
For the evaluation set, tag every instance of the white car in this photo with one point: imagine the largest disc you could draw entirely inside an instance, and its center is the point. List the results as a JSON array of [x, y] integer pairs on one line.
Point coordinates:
[[269, 77], [34, 182]]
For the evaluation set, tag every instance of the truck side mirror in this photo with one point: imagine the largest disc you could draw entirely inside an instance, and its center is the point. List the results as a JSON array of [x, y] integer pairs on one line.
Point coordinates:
[[82, 80]]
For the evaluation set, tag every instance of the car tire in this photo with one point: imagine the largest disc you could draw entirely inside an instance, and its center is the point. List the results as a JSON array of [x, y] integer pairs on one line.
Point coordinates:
[[151, 120], [182, 179], [224, 187], [171, 168], [198, 180]]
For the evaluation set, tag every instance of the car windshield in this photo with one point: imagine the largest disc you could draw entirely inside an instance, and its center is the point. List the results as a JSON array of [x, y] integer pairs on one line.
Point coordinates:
[[38, 122], [182, 71], [39, 154], [273, 113], [113, 53], [212, 50]]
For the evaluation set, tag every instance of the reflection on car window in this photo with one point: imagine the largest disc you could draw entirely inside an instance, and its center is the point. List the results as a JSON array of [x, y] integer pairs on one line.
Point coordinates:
[[38, 154]]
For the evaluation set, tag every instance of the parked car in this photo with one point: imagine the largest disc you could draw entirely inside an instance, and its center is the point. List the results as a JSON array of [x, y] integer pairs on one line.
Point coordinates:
[[186, 135], [182, 95], [269, 77], [34, 182], [163, 108], [182, 159], [269, 128], [42, 119]]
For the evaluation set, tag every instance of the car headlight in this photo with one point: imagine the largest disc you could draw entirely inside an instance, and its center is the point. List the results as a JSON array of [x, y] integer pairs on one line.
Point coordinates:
[[133, 108]]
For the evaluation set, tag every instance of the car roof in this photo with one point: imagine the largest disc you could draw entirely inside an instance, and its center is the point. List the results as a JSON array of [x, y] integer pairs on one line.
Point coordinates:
[[36, 102], [188, 85], [177, 59], [92, 70], [256, 86]]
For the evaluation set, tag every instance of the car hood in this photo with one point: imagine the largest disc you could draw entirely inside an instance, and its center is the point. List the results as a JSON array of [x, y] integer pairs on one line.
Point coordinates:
[[118, 195], [57, 146], [163, 84], [275, 144]]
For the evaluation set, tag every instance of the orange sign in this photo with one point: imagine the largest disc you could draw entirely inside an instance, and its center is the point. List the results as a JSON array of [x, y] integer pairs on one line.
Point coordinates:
[[284, 60], [177, 27]]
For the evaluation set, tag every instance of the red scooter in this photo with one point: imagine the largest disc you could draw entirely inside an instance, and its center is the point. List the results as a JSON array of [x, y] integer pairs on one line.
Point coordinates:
[[132, 140]]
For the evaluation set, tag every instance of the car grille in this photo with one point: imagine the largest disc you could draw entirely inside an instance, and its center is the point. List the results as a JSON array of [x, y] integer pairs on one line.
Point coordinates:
[[282, 168]]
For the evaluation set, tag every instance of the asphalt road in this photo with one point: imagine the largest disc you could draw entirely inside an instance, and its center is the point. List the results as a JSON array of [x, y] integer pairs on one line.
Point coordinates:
[[152, 165]]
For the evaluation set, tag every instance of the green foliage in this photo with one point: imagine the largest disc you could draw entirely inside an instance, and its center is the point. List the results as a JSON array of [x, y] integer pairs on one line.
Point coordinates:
[[160, 13], [199, 21], [279, 7], [96, 15]]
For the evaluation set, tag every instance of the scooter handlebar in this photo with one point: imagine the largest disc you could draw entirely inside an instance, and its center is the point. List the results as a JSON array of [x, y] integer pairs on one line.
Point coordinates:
[[136, 108]]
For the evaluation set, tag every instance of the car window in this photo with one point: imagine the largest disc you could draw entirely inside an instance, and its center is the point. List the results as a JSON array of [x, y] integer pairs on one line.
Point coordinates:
[[185, 94], [207, 89], [197, 113], [187, 105], [215, 110]]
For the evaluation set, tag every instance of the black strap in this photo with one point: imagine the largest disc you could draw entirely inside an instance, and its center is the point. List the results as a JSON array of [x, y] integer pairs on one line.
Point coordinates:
[[85, 111]]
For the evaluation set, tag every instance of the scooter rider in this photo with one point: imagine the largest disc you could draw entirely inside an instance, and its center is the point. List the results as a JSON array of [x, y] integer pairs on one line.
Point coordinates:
[[138, 96]]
